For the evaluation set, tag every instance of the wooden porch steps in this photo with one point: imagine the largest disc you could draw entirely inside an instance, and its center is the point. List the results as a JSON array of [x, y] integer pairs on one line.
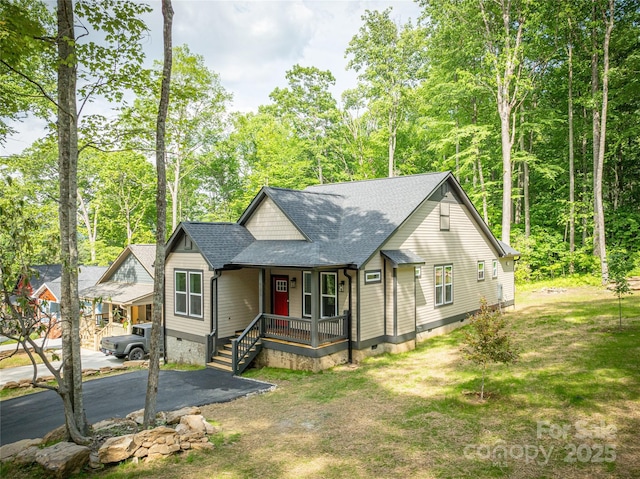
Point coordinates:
[[223, 361]]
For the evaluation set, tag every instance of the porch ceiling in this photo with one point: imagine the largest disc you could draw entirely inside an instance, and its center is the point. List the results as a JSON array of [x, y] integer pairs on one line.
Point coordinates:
[[125, 294]]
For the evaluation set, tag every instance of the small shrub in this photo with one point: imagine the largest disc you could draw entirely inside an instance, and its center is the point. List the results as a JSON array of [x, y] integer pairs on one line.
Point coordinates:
[[620, 265], [487, 340]]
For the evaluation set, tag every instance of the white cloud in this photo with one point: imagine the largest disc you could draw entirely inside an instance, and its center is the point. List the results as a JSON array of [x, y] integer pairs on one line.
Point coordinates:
[[252, 43]]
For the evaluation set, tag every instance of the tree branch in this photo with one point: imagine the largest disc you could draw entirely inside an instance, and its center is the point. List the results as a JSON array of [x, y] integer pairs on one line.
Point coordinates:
[[35, 83]]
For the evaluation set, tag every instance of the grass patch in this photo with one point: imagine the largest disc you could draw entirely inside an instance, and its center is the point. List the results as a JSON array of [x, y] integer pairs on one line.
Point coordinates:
[[220, 439], [22, 359], [416, 415], [569, 281], [181, 367]]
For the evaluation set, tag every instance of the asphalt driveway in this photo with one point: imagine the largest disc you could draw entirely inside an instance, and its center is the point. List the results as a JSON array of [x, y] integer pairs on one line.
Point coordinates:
[[35, 415]]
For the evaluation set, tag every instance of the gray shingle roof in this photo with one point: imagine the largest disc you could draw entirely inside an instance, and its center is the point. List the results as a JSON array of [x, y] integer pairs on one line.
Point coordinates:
[[119, 293], [146, 254], [87, 277], [345, 223], [508, 250], [402, 256], [218, 242], [350, 221], [44, 273], [290, 253]]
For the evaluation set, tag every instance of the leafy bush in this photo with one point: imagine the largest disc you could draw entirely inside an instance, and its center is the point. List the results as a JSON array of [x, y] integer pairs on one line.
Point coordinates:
[[546, 255], [487, 340]]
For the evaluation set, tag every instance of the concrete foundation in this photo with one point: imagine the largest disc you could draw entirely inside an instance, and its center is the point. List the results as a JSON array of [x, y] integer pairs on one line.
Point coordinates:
[[423, 336], [184, 351], [286, 360], [382, 348]]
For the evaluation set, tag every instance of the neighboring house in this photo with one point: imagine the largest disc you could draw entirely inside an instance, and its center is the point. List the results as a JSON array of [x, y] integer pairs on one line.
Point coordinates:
[[48, 294], [26, 287], [41, 274], [331, 274], [121, 297]]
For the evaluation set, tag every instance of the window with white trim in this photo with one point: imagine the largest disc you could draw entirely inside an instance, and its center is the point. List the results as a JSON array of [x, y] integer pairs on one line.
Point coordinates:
[[480, 270], [328, 295], [494, 272], [188, 293], [373, 276], [306, 294], [443, 284]]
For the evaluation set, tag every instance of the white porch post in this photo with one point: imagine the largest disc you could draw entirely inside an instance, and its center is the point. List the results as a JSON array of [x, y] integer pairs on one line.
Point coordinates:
[[129, 320]]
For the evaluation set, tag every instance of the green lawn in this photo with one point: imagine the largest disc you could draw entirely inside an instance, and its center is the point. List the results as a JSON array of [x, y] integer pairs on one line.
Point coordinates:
[[569, 408]]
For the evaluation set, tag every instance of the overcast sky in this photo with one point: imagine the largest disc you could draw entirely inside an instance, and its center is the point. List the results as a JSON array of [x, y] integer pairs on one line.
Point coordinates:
[[251, 44]]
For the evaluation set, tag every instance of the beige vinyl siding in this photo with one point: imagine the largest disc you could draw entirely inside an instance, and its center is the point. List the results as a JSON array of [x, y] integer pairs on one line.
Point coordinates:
[[237, 300], [343, 297], [388, 278], [462, 246], [187, 261], [295, 294], [268, 222], [406, 301], [371, 303], [506, 278]]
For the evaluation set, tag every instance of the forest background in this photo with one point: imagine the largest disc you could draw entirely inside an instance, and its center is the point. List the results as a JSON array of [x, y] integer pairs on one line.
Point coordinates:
[[547, 92]]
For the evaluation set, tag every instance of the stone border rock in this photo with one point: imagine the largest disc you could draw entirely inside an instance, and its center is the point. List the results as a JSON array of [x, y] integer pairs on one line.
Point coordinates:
[[181, 430], [26, 383]]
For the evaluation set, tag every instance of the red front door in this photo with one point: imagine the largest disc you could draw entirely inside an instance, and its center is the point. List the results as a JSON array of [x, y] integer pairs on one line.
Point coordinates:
[[280, 288]]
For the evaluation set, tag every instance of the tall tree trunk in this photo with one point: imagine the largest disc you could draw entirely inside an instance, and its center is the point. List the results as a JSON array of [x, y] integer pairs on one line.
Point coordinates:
[[595, 122], [71, 390], [520, 176], [505, 133], [92, 229], [602, 250], [517, 201], [506, 52], [161, 204], [483, 188], [174, 190], [457, 150], [572, 179], [525, 192], [585, 196], [393, 128]]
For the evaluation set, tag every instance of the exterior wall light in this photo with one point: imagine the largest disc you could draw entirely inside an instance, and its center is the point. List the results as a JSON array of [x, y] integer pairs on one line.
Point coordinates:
[[293, 282]]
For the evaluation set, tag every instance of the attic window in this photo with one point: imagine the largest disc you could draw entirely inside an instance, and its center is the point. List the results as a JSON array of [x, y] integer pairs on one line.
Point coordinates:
[[444, 216]]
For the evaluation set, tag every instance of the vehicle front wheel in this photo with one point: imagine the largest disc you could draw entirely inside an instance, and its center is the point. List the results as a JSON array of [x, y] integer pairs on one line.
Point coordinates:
[[136, 354]]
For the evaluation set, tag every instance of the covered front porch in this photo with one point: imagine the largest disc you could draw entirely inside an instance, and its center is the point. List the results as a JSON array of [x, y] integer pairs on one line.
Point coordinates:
[[302, 312]]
